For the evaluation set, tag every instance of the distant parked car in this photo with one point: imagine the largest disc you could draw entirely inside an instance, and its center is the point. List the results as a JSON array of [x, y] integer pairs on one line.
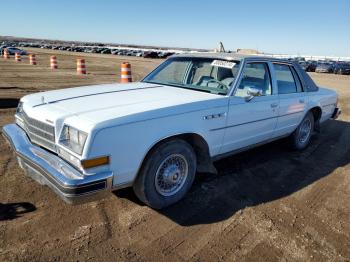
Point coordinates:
[[139, 54], [324, 68], [342, 68], [299, 59], [78, 49], [14, 50], [304, 65], [311, 66], [123, 52], [150, 54], [106, 51]]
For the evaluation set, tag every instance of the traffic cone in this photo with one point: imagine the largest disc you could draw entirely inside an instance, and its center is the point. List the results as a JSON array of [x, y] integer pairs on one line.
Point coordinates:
[[32, 59], [125, 73], [6, 54], [53, 62], [81, 69], [18, 57]]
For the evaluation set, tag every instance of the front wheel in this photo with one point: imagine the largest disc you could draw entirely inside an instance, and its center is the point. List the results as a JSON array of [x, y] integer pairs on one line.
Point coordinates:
[[301, 136], [167, 174]]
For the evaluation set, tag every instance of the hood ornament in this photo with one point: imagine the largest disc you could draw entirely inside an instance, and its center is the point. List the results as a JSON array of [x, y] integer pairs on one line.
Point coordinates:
[[43, 100]]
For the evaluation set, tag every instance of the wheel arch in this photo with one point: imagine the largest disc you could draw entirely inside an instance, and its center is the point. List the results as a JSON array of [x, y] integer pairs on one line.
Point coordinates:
[[199, 145], [317, 113]]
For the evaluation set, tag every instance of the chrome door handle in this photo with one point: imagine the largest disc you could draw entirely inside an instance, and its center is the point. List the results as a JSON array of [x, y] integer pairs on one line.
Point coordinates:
[[273, 105], [302, 101]]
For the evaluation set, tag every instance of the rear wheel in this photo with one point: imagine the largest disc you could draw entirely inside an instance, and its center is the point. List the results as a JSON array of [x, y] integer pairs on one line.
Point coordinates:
[[301, 136], [167, 174]]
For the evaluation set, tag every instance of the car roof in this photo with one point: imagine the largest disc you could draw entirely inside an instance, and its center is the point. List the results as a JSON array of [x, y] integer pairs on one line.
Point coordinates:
[[229, 56]]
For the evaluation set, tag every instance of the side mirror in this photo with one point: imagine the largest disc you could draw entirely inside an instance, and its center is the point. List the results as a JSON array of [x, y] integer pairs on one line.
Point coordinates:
[[252, 92]]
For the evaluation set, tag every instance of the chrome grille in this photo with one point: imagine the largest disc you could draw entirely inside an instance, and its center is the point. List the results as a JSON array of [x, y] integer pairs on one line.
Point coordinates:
[[39, 132]]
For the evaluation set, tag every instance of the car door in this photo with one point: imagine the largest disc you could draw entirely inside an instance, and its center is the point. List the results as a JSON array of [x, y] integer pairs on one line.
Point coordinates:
[[251, 121], [292, 99]]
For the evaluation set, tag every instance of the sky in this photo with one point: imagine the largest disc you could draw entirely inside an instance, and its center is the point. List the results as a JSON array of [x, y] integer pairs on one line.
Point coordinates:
[[281, 27]]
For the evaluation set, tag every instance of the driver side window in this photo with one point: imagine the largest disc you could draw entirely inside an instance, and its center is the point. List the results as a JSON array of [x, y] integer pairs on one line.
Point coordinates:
[[255, 75]]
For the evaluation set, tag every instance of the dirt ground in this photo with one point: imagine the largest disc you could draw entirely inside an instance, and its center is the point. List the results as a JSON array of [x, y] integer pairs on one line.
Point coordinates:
[[266, 204]]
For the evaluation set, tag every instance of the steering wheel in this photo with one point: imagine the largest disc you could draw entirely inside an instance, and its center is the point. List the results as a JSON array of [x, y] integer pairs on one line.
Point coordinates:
[[221, 85]]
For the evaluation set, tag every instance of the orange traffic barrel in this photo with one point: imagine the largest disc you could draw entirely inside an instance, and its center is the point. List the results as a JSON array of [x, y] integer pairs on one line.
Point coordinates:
[[53, 62], [6, 54], [81, 69], [18, 57], [32, 59], [125, 73]]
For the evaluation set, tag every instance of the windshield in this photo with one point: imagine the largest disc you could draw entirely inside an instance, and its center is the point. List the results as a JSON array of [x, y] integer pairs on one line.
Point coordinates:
[[200, 74]]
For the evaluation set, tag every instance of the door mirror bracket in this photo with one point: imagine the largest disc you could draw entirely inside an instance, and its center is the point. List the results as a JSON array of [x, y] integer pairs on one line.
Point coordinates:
[[252, 92]]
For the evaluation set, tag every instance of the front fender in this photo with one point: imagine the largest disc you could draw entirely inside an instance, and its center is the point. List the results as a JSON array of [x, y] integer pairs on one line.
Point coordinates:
[[127, 145]]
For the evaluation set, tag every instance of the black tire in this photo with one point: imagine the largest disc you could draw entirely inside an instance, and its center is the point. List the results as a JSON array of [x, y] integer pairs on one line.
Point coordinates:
[[300, 139], [145, 186]]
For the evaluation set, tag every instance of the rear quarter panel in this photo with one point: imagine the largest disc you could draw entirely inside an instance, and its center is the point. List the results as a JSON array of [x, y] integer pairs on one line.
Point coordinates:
[[326, 99]]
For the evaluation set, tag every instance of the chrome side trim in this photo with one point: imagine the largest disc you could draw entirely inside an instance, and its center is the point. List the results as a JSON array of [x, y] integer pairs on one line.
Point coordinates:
[[258, 120], [240, 150]]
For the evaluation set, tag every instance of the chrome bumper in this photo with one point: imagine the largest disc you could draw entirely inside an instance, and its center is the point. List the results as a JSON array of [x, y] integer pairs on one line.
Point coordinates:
[[336, 113], [48, 169]]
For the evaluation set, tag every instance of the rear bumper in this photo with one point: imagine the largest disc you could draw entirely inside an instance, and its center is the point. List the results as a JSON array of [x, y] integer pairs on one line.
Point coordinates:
[[336, 113], [48, 169]]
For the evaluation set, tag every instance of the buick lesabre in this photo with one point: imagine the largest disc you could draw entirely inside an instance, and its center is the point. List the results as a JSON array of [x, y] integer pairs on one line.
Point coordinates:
[[154, 135]]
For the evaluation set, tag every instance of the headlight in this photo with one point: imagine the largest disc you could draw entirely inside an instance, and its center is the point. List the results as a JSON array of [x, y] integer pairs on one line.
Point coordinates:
[[73, 139]]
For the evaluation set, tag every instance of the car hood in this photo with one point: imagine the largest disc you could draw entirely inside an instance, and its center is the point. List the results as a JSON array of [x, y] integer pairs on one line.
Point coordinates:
[[115, 103]]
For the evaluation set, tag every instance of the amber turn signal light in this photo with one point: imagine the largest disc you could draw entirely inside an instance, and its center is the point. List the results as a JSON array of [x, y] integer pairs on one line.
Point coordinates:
[[98, 161]]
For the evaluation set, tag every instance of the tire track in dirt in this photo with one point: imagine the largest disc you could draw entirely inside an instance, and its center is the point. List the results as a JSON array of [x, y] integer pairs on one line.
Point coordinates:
[[184, 242], [311, 232], [154, 234], [333, 153], [230, 242]]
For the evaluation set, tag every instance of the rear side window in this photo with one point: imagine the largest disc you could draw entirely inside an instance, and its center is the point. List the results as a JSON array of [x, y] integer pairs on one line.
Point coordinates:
[[285, 80]]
